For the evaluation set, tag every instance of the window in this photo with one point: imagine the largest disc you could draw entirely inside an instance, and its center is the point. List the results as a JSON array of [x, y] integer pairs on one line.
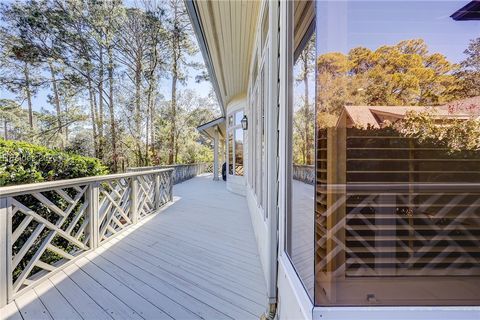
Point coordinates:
[[397, 179], [257, 116], [235, 144], [239, 152], [300, 214], [230, 153]]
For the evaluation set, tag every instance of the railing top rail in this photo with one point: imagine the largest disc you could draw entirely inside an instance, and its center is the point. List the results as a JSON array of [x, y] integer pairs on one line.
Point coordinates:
[[166, 166], [396, 187], [304, 165], [16, 190]]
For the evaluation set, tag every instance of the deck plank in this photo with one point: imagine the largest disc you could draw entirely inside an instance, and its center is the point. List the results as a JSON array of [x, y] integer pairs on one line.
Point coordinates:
[[81, 302], [196, 305], [218, 274], [111, 304], [229, 307], [10, 312], [56, 304], [197, 259], [147, 291], [31, 307], [137, 303], [163, 267]]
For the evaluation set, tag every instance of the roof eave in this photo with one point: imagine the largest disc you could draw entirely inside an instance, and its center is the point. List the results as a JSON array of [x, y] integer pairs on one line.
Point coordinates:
[[197, 27], [470, 11]]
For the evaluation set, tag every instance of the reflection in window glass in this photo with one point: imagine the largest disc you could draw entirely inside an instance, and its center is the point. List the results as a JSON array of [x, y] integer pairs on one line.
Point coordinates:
[[238, 118], [398, 161], [300, 243], [239, 152], [230, 152]]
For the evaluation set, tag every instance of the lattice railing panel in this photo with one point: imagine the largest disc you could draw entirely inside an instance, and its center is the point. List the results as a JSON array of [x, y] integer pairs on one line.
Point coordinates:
[[48, 229], [401, 233], [47, 225], [165, 186], [146, 195], [114, 207]]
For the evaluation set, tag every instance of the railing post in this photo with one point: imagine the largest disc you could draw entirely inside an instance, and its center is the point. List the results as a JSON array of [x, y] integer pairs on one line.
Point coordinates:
[[158, 199], [93, 196], [134, 200], [5, 251], [170, 187]]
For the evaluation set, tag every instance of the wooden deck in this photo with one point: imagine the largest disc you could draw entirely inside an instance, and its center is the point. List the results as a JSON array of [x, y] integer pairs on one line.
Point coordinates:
[[196, 259]]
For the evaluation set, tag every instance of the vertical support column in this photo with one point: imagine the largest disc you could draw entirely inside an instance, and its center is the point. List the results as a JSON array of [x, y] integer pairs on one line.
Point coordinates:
[[5, 251], [134, 200], [216, 141], [93, 214], [158, 195]]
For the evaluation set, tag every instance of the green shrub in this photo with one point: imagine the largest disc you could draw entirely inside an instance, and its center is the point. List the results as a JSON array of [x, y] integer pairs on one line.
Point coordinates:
[[22, 162]]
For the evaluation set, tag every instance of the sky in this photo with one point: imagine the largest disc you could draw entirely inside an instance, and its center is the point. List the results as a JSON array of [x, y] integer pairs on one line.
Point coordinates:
[[343, 25], [40, 100], [371, 24]]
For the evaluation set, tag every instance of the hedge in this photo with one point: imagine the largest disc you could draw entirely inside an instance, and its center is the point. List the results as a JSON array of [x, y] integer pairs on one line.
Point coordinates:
[[22, 162]]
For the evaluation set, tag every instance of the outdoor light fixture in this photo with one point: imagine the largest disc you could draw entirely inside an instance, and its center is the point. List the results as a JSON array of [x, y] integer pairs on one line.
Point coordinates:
[[244, 122]]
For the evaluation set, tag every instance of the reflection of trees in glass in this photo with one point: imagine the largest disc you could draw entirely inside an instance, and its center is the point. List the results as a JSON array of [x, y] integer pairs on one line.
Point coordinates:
[[230, 153], [304, 113], [398, 75], [239, 152], [405, 74]]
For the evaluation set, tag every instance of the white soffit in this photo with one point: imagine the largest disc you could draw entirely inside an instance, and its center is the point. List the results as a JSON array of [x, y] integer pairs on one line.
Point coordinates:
[[229, 32]]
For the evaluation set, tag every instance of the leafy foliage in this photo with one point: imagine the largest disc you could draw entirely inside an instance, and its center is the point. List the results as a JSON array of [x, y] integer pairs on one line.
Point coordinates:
[[454, 134], [404, 74], [22, 162]]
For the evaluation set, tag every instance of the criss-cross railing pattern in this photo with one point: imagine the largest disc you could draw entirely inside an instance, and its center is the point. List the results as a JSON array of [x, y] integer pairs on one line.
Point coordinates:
[[48, 229], [44, 226], [400, 231], [114, 207]]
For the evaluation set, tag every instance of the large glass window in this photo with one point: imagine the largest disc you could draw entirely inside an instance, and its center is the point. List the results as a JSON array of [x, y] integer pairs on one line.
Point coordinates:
[[397, 210], [300, 237], [235, 144], [239, 152]]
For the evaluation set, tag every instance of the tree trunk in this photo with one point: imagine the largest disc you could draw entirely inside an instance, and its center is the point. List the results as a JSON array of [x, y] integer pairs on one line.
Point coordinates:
[[173, 129], [308, 159], [91, 95], [111, 110], [150, 132], [100, 104], [5, 129], [137, 115], [56, 101], [26, 73]]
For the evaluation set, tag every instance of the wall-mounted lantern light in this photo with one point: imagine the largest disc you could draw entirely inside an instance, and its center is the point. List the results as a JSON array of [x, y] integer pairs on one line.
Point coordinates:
[[244, 122]]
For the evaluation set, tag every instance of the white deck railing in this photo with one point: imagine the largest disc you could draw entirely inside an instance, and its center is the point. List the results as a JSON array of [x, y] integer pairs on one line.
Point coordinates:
[[304, 173], [45, 226], [181, 172]]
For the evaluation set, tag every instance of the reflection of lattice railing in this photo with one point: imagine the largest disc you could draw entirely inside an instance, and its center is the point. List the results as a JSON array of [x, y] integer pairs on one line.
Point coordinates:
[[400, 231], [44, 226], [239, 170]]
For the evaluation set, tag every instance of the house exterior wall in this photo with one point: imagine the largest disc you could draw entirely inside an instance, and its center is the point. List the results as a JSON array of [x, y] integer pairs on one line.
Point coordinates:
[[266, 177]]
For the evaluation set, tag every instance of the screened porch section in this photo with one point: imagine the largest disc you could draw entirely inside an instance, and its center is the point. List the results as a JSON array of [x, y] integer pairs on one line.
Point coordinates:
[[168, 252]]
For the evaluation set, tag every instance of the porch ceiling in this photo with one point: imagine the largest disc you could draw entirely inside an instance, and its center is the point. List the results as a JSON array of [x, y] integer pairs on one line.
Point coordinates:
[[226, 32]]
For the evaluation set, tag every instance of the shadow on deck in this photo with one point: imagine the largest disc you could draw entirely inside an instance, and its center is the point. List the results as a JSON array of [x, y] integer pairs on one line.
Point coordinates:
[[195, 259]]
